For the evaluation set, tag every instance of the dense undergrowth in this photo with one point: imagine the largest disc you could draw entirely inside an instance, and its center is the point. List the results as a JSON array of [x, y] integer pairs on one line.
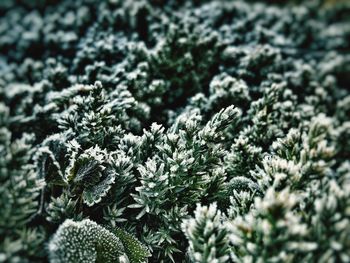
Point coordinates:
[[174, 131]]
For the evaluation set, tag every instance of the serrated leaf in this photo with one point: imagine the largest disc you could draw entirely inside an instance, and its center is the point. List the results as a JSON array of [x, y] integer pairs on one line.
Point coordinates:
[[88, 172], [93, 195]]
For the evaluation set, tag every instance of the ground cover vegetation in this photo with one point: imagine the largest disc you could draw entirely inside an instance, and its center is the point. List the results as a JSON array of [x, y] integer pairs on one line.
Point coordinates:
[[174, 131]]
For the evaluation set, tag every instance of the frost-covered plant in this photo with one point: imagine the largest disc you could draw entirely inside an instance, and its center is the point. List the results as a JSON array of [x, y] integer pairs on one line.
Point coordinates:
[[174, 131], [85, 241], [208, 238]]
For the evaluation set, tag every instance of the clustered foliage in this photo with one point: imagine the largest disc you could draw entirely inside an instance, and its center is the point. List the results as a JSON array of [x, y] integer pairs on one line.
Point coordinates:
[[174, 131], [86, 241]]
